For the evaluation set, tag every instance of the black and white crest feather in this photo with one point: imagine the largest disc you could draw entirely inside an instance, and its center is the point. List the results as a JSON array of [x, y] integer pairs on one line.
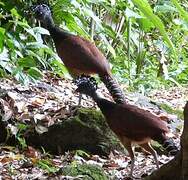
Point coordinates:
[[86, 82]]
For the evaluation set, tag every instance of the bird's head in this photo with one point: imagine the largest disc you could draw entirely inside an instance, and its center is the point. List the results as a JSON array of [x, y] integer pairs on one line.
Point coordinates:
[[86, 85], [42, 12]]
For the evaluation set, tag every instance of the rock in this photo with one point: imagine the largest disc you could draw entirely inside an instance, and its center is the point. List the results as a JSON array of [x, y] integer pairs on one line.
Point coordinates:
[[85, 172], [87, 131]]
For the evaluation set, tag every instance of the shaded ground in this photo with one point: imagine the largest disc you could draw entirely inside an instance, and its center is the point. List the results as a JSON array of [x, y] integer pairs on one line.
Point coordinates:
[[48, 102]]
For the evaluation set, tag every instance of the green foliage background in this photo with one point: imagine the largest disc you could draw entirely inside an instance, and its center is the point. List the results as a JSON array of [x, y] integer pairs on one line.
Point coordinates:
[[145, 41]]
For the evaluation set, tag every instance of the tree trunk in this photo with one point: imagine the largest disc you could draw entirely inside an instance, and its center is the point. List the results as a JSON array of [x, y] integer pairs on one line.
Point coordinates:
[[184, 144]]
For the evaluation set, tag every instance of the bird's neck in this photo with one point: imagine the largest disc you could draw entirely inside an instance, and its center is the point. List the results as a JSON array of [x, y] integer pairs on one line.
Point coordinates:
[[105, 105], [48, 23], [96, 97], [55, 32], [102, 103]]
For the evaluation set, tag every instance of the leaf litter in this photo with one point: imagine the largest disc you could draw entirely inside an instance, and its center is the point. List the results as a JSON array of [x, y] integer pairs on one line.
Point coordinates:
[[50, 101]]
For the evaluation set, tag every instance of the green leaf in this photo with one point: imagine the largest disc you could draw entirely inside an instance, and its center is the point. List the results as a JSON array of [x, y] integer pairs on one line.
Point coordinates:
[[146, 9], [139, 61], [14, 13], [22, 142], [90, 13], [82, 153], [110, 48], [35, 73], [2, 36], [36, 45], [5, 61], [145, 24], [129, 13], [20, 76], [60, 68], [47, 165], [40, 30], [27, 62], [165, 8], [182, 12], [23, 24]]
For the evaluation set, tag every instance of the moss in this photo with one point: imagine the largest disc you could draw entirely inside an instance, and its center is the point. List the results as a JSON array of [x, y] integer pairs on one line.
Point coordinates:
[[87, 130], [87, 171], [95, 120]]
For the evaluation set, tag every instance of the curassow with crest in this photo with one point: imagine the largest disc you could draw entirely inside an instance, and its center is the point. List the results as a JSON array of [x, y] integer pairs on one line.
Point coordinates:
[[79, 55], [131, 124]]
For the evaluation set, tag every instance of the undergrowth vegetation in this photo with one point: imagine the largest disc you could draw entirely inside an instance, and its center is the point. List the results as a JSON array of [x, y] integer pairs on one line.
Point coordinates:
[[144, 41]]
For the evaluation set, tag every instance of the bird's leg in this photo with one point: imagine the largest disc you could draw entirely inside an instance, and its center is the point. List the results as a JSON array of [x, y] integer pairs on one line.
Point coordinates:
[[156, 159], [147, 147], [128, 145], [131, 154], [132, 167], [79, 100]]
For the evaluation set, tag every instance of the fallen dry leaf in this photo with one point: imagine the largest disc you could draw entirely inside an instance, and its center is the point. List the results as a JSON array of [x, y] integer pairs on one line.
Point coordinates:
[[21, 106], [41, 129], [6, 110], [31, 152], [38, 101], [6, 159], [164, 117]]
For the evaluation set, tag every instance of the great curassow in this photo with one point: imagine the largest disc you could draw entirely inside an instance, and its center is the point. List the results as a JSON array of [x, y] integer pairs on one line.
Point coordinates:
[[131, 124], [79, 55]]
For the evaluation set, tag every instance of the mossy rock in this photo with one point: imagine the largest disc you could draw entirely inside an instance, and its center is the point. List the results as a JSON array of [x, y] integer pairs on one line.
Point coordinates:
[[85, 172], [87, 130]]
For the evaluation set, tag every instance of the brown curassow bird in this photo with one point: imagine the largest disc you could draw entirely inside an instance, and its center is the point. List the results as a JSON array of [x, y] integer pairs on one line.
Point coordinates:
[[79, 55], [130, 123]]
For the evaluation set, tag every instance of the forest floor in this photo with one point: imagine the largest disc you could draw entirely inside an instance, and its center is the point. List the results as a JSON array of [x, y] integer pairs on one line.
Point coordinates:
[[48, 102]]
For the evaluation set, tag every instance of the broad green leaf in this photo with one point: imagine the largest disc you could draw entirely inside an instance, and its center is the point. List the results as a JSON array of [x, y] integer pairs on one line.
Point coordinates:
[[40, 30], [35, 73], [27, 62], [5, 60], [146, 9], [36, 33], [145, 24]]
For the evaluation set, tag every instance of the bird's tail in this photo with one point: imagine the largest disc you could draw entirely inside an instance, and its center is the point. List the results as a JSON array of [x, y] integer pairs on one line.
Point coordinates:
[[170, 147], [114, 88], [168, 144]]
